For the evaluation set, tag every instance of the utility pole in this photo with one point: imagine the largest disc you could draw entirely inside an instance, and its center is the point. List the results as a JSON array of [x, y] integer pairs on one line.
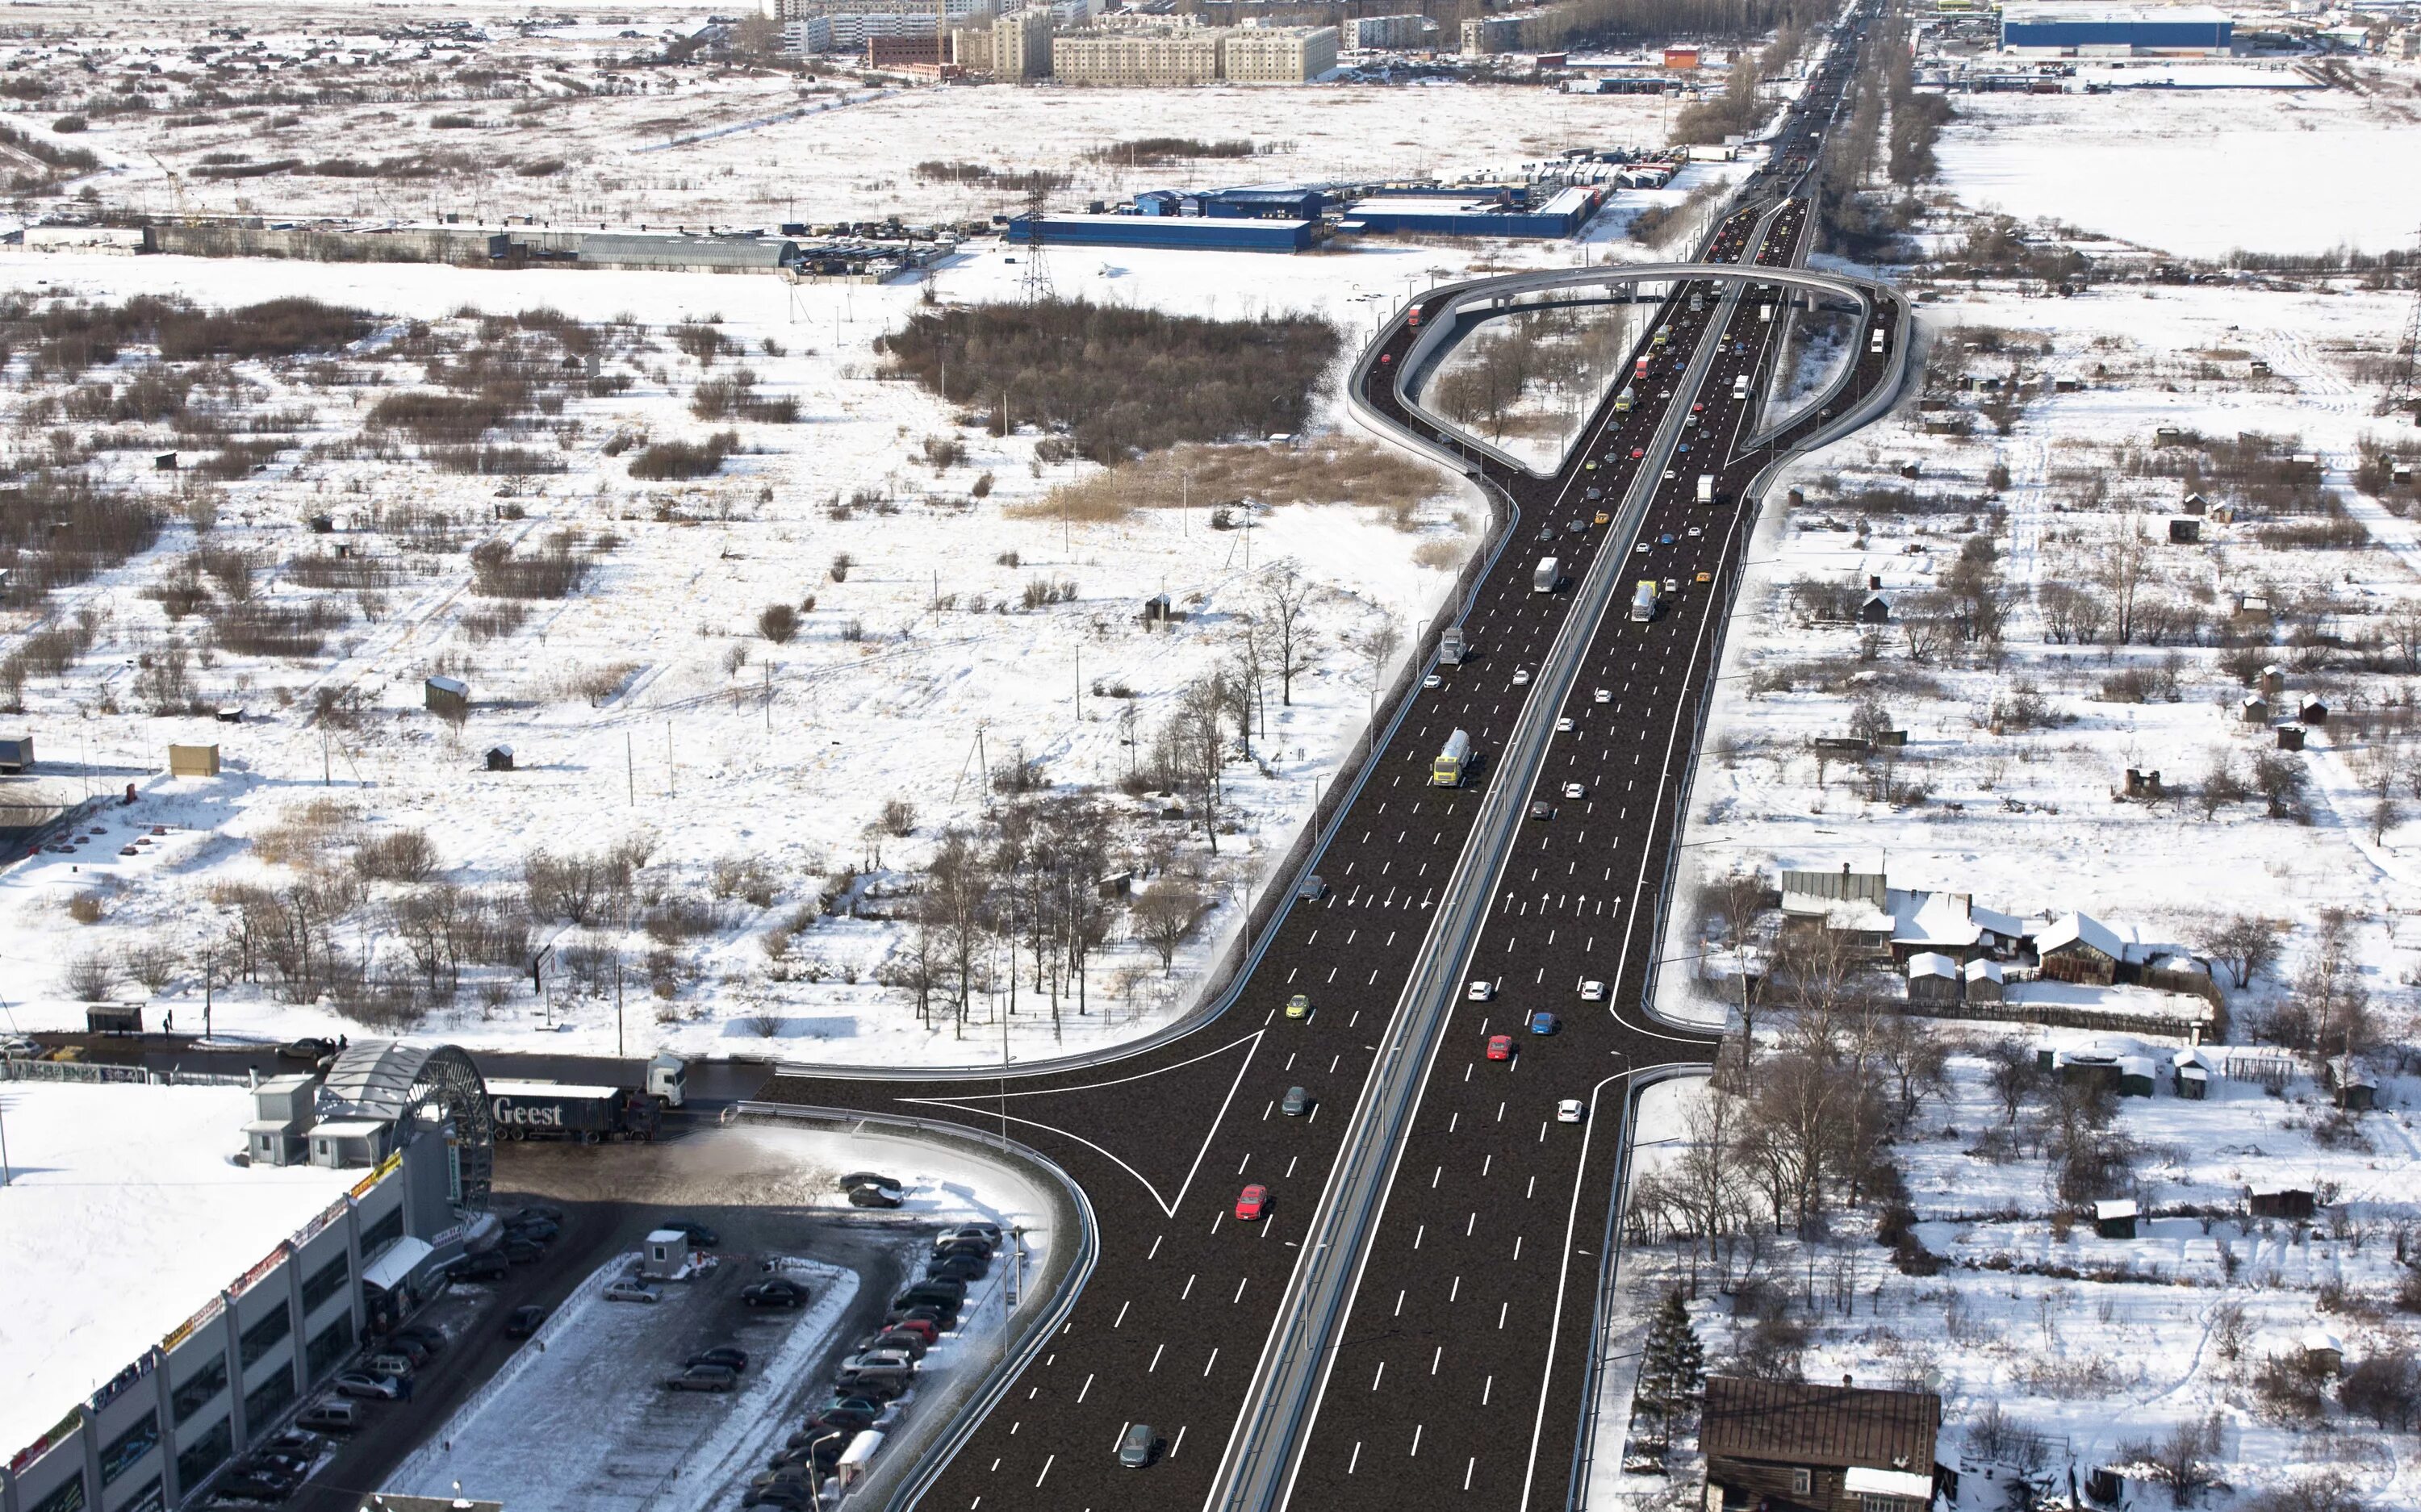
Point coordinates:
[[769, 698], [670, 786], [630, 770]]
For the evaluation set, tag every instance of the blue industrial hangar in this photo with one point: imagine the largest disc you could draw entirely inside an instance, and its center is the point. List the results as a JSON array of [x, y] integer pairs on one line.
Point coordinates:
[[2122, 31]]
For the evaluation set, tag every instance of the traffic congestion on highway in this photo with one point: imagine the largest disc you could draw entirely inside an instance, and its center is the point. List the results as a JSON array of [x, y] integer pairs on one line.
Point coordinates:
[[1354, 1230]]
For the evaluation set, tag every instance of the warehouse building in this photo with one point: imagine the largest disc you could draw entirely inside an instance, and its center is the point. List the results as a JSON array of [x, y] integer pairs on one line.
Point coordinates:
[[1473, 214], [1277, 54], [1388, 33], [172, 1307], [1191, 233], [2116, 31]]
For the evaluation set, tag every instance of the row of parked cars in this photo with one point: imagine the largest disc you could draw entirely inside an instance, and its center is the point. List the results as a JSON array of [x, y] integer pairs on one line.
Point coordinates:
[[876, 1381]]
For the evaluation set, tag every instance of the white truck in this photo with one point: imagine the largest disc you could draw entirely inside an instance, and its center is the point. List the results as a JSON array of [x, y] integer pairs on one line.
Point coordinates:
[[1549, 576], [1705, 488], [1450, 646], [1643, 601], [1739, 386]]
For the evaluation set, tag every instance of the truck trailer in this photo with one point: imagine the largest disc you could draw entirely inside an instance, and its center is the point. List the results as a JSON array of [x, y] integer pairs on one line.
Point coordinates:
[[1449, 767], [1549, 576], [1643, 601], [1705, 488], [565, 1110]]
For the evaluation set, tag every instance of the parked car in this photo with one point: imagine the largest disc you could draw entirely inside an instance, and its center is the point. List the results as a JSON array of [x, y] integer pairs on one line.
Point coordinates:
[[430, 1338], [920, 1327], [895, 1338], [394, 1365], [988, 1233], [310, 1050], [409, 1351], [870, 1178], [728, 1356], [535, 1212], [782, 1489], [520, 1252], [244, 1488], [533, 1230], [704, 1379], [330, 1416], [777, 1292], [17, 1047], [300, 1443], [958, 1267], [485, 1264], [700, 1235], [523, 1321], [634, 1291], [873, 1196], [361, 1383]]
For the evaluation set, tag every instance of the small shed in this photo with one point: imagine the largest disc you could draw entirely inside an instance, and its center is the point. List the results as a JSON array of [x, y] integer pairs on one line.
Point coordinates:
[[2184, 530], [2193, 503], [2143, 784], [2257, 368], [1933, 978], [2136, 1076], [230, 714], [1156, 610], [1116, 884], [2255, 709], [1876, 610], [2086, 1069], [2290, 737], [2351, 1084], [113, 1019], [447, 698], [2313, 712], [322, 524], [163, 462], [1986, 982], [2115, 1218], [664, 1254], [16, 754], [2273, 680], [2193, 1075], [2322, 1350], [193, 761], [500, 758], [2280, 1202]]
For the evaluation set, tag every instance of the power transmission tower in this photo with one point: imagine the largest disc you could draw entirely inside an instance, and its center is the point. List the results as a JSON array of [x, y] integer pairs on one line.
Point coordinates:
[[2404, 386], [1034, 287]]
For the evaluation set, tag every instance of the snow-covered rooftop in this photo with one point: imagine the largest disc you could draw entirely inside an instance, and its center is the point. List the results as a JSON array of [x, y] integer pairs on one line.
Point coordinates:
[[123, 1218]]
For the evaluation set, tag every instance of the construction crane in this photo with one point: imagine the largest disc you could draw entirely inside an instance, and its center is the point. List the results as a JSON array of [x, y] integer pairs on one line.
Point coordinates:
[[176, 188]]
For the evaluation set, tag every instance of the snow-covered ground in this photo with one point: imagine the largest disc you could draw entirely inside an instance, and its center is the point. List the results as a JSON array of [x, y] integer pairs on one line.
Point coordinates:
[[124, 1217], [2095, 1343], [2196, 171]]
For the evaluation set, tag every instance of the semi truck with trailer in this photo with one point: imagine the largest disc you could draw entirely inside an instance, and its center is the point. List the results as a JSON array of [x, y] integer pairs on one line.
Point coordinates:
[[586, 1114]]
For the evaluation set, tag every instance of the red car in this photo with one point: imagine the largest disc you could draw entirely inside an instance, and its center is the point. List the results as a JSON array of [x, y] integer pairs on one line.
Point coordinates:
[[1251, 1201], [1500, 1047], [1637, 452]]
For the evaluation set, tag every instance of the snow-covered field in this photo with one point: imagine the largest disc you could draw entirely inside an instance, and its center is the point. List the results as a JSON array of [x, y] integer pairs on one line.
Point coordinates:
[[2197, 172], [124, 1216]]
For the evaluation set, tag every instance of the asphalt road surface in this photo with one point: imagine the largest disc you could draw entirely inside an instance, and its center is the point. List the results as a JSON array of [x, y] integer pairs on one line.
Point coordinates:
[[1465, 1356]]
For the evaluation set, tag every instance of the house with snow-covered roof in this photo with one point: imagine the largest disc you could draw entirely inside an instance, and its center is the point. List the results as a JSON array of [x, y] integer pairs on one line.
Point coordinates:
[[2080, 948], [1950, 924]]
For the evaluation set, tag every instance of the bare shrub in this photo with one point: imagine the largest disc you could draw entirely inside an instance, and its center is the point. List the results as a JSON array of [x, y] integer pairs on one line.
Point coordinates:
[[152, 964], [85, 906], [397, 856], [778, 623], [1336, 470], [90, 977]]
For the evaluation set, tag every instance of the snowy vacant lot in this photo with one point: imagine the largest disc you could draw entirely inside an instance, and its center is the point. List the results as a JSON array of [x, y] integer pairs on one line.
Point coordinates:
[[2198, 171]]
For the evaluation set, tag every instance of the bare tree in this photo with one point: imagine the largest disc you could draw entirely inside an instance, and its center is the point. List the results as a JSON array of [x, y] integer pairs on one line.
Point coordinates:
[[2121, 569], [1286, 597], [1163, 917]]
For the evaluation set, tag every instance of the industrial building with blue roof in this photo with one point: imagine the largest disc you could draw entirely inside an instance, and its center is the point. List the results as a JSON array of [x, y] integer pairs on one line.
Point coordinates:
[[2120, 30]]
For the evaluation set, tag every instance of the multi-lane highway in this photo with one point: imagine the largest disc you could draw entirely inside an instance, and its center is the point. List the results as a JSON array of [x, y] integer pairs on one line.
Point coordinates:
[[1415, 1307]]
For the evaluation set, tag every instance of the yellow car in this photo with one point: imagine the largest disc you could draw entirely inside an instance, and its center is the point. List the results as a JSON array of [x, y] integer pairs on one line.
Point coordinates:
[[1706, 577], [1298, 1006], [65, 1053], [1602, 517]]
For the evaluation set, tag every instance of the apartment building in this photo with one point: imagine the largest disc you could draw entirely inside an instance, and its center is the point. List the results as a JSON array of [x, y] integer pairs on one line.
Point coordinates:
[[1138, 59], [1277, 54]]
